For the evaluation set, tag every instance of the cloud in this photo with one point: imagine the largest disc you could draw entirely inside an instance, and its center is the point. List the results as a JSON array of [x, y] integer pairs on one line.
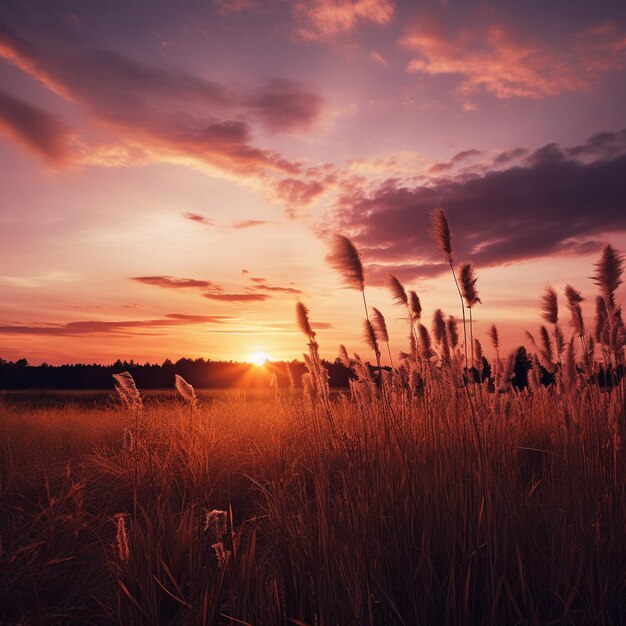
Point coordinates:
[[110, 327], [378, 58], [237, 297], [549, 204], [455, 160], [161, 114], [240, 224], [319, 20], [262, 284], [170, 282], [200, 219], [285, 105], [501, 60], [34, 128], [296, 194]]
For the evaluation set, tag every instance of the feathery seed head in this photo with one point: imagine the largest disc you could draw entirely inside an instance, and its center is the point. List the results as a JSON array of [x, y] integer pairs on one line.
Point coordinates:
[[468, 279], [439, 326], [398, 292], [370, 336], [343, 356], [302, 316], [185, 390], [380, 326], [494, 336], [608, 274], [453, 331], [550, 305], [345, 258], [425, 344], [415, 306], [440, 233]]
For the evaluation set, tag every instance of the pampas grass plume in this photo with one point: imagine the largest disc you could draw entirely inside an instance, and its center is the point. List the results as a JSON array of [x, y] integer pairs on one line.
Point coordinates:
[[345, 258]]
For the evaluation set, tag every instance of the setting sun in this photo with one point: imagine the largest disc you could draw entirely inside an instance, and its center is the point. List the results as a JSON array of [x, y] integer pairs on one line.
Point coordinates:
[[259, 358]]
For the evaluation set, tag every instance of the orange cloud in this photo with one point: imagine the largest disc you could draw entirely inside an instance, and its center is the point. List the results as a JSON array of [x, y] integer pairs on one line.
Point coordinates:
[[237, 297], [323, 19], [497, 59]]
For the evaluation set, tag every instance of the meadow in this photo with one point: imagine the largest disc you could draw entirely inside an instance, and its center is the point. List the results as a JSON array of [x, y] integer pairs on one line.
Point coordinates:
[[430, 492]]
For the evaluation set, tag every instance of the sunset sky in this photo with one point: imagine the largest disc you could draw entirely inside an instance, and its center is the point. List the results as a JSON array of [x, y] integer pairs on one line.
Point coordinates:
[[170, 172]]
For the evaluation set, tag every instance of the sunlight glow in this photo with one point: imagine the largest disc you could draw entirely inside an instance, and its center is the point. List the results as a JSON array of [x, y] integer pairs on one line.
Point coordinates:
[[259, 358]]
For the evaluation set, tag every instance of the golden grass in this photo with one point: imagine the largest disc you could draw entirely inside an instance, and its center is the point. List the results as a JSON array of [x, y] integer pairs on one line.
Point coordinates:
[[401, 509]]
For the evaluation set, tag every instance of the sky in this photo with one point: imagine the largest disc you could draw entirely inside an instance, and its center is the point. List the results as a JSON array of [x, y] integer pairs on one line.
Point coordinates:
[[171, 173]]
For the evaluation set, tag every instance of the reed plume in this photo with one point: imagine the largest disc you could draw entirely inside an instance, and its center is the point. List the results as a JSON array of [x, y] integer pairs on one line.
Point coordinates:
[[468, 281], [425, 344], [415, 306], [440, 233], [343, 356], [380, 328], [545, 351], [370, 339], [494, 336], [128, 392], [453, 331], [574, 298], [302, 317], [345, 258], [441, 336], [608, 274], [185, 390], [478, 356], [398, 292], [550, 305]]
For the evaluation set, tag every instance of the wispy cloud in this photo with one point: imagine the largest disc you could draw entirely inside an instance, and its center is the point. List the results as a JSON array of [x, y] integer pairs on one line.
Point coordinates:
[[319, 20], [171, 282], [198, 218], [237, 297], [241, 224], [154, 113], [36, 129], [262, 284], [92, 327], [504, 61]]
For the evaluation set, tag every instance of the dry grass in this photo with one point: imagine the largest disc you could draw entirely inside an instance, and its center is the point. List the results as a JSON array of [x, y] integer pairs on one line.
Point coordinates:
[[413, 514]]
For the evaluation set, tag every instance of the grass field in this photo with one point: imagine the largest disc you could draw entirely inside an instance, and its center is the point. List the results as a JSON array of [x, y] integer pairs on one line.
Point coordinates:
[[395, 510], [422, 494]]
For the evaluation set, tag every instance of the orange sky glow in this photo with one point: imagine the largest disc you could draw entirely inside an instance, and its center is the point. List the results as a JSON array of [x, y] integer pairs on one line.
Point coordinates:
[[171, 174]]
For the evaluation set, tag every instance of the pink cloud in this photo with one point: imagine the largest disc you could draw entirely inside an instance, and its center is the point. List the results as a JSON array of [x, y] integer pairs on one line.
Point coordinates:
[[323, 19], [160, 114], [35, 129], [170, 282], [498, 59], [198, 218], [241, 224]]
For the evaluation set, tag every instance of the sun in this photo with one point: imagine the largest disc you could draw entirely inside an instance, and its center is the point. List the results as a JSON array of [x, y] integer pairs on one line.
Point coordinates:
[[259, 358]]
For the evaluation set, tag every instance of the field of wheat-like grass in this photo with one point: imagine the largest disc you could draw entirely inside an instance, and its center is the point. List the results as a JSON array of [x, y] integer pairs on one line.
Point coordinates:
[[431, 491]]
